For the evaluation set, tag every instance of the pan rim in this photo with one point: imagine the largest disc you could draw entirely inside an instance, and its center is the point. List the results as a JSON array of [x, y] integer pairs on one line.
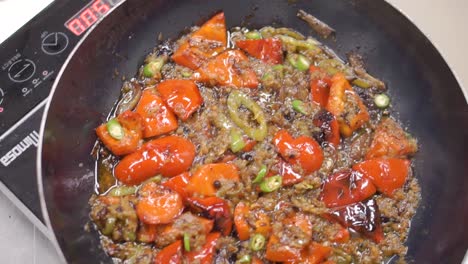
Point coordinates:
[[49, 99]]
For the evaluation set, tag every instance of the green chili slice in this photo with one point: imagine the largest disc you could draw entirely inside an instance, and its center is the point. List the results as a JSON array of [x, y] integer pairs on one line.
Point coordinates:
[[261, 174], [186, 74], [153, 67], [122, 190], [257, 242], [109, 227], [115, 129], [299, 61], [245, 259], [271, 184], [253, 35], [299, 106], [186, 242], [235, 100], [362, 83], [237, 141], [382, 101]]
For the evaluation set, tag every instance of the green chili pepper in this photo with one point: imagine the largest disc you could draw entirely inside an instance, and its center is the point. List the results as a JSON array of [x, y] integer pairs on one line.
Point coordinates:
[[253, 35], [299, 44], [237, 99], [257, 242], [186, 74], [271, 184], [261, 174], [129, 236], [245, 259], [115, 129], [334, 66], [362, 83], [237, 141], [299, 106], [122, 190], [382, 101], [278, 67], [186, 242], [153, 67], [299, 61], [109, 227]]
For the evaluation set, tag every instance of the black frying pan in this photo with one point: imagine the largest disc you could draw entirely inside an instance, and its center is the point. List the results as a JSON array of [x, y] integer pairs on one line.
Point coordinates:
[[423, 88]]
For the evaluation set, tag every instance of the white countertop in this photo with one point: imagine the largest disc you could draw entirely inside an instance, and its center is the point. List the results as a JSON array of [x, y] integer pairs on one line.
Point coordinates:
[[444, 21]]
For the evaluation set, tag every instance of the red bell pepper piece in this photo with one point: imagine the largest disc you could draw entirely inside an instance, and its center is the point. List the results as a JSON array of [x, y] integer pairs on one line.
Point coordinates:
[[363, 217], [387, 175], [320, 83], [391, 141], [204, 179], [229, 68], [168, 156], [157, 204], [182, 96], [346, 187], [208, 41], [214, 208], [268, 50], [206, 253], [158, 118], [303, 150], [132, 125], [242, 226], [278, 252], [329, 128], [179, 184], [346, 105], [171, 254], [315, 253]]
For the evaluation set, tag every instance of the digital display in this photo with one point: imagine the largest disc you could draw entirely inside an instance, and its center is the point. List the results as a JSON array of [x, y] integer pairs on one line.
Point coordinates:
[[89, 15]]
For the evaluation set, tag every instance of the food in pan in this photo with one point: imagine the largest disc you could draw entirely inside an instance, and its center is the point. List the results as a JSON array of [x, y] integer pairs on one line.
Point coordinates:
[[253, 146]]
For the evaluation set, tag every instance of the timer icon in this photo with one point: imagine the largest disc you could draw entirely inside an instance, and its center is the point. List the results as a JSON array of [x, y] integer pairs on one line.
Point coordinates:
[[54, 43]]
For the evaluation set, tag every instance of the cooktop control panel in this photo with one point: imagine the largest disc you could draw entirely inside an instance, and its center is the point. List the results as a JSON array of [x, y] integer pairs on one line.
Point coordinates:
[[30, 61]]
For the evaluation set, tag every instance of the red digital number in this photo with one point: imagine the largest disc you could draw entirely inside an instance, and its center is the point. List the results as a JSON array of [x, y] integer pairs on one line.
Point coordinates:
[[88, 17], [101, 7], [76, 26]]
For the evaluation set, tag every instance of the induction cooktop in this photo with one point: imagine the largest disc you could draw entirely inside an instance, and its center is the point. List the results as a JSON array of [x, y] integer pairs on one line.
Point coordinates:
[[29, 62]]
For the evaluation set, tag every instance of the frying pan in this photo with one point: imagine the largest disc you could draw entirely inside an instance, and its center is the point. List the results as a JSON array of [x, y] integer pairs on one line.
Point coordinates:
[[425, 93]]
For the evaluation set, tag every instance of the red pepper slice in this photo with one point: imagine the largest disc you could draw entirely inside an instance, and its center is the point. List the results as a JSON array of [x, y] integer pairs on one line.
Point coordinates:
[[132, 125], [229, 68], [346, 187], [203, 180], [209, 40], [320, 84], [315, 253], [179, 184], [158, 118], [391, 141], [171, 254], [387, 175], [168, 156], [182, 96], [363, 217], [206, 253], [329, 128], [268, 50], [214, 208], [303, 150], [346, 105]]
